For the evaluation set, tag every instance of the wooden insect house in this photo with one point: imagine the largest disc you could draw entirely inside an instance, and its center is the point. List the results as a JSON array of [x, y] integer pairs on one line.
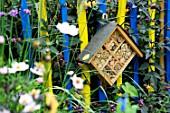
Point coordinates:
[[110, 51]]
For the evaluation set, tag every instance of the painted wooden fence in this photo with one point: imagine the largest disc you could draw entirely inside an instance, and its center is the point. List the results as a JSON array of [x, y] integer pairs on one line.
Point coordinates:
[[83, 34]]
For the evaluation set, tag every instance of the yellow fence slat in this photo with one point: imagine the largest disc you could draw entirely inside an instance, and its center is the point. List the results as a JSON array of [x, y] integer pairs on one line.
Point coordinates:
[[152, 36], [42, 14], [152, 32], [120, 20], [83, 34]]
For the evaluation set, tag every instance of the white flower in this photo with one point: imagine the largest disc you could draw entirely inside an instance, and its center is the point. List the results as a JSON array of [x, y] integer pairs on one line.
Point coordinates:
[[70, 73], [65, 28], [38, 69], [77, 82], [5, 111], [31, 107], [2, 39], [4, 70], [11, 70], [21, 66], [25, 99], [73, 31], [35, 93], [40, 80]]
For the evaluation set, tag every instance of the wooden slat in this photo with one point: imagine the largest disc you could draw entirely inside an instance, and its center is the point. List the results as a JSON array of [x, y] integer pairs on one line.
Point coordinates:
[[161, 38], [83, 34], [42, 14], [152, 13]]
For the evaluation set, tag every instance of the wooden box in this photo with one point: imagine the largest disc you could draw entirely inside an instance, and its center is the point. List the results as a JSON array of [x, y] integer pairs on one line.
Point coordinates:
[[110, 51]]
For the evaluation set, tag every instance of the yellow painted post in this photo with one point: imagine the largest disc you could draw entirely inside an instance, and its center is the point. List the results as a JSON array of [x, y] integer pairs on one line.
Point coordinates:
[[120, 20], [161, 38], [83, 34], [42, 14], [152, 37], [152, 32]]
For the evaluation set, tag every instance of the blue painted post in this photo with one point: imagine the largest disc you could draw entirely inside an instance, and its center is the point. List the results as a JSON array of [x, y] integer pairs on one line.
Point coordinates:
[[102, 7], [133, 26], [167, 31], [63, 5], [26, 30]]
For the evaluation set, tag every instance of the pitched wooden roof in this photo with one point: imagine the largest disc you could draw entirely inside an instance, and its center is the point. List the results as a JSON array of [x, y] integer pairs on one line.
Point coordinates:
[[100, 37]]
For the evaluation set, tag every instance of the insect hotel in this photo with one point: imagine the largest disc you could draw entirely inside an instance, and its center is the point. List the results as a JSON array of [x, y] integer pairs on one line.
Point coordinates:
[[110, 51]]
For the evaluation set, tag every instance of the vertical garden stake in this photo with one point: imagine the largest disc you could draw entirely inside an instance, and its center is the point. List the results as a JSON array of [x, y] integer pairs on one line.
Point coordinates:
[[83, 33], [26, 29], [120, 21], [161, 62], [133, 25], [42, 14], [63, 5], [167, 58], [152, 35]]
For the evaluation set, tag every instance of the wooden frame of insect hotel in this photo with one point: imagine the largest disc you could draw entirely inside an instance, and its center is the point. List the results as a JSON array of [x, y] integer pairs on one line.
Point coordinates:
[[110, 51]]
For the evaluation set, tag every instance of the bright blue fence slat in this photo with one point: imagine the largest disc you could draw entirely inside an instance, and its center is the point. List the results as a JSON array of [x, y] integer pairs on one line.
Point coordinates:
[[26, 27], [66, 43], [167, 34], [102, 6], [133, 26], [26, 30]]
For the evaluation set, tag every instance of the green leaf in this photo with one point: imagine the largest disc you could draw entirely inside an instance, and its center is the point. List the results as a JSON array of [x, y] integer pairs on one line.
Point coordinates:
[[166, 47], [158, 67], [74, 41], [146, 12], [144, 66], [128, 88], [125, 89], [45, 23], [118, 110], [159, 54], [134, 108], [148, 54], [147, 76], [43, 50], [134, 38], [157, 75], [54, 50], [154, 81], [132, 90]]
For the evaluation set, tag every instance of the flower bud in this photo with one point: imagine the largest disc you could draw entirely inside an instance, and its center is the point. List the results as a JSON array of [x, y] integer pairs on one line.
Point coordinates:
[[36, 44], [2, 40]]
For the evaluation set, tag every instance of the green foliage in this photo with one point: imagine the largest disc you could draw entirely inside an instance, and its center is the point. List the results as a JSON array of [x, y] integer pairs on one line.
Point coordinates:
[[13, 85], [129, 89]]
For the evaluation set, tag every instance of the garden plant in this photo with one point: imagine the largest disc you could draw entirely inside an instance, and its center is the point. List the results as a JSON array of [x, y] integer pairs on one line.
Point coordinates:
[[36, 77]]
